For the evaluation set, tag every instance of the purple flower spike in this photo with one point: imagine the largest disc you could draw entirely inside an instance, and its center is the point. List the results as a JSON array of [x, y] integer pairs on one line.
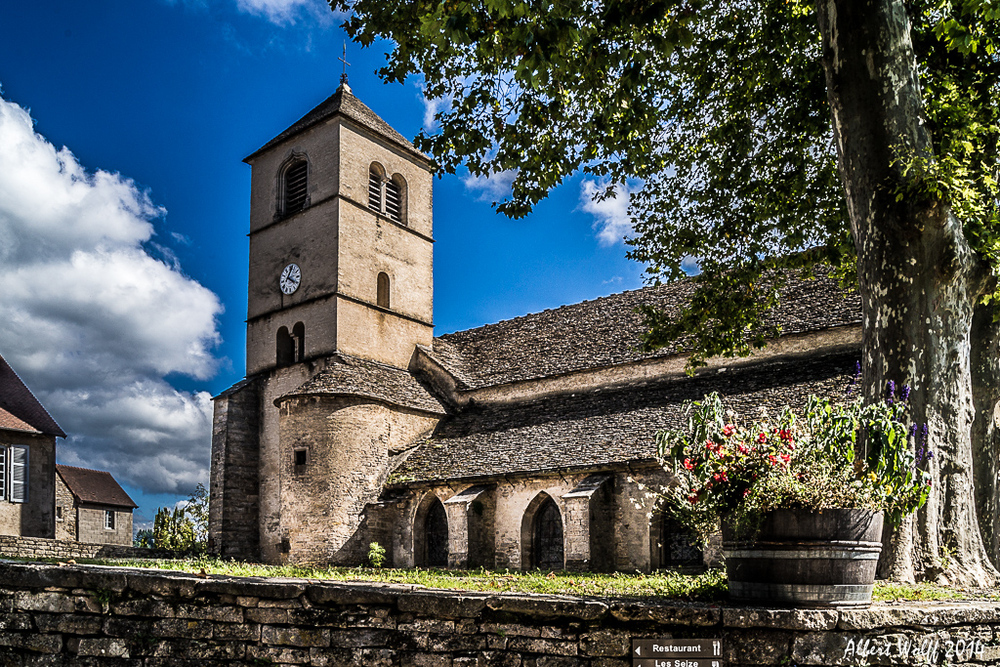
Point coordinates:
[[930, 455], [891, 389], [906, 392]]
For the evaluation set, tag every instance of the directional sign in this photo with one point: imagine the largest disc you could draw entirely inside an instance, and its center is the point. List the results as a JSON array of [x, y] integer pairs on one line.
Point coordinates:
[[676, 653]]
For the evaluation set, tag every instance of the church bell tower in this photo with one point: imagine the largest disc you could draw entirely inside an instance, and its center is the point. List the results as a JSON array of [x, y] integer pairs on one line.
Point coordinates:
[[340, 241], [340, 292]]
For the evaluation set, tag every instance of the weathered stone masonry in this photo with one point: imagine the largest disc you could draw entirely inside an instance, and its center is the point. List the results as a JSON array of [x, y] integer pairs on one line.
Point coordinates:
[[99, 616]]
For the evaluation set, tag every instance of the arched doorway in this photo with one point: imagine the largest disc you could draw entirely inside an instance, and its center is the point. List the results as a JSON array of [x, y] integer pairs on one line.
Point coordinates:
[[547, 537], [430, 533], [436, 529]]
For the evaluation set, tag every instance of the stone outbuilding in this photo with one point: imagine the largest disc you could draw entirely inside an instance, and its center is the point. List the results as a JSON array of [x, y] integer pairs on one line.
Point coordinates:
[[27, 460], [520, 444], [92, 507]]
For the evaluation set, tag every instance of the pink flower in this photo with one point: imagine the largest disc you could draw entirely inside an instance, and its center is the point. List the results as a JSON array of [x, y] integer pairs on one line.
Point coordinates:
[[688, 464], [728, 430]]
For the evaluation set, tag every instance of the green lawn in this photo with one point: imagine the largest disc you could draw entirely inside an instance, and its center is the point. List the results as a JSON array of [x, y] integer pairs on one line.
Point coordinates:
[[708, 587]]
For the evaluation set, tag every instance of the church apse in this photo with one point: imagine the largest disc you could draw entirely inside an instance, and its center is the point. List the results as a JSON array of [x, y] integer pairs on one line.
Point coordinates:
[[336, 434]]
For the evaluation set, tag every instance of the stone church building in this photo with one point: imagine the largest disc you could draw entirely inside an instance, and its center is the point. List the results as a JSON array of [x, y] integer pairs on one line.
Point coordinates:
[[513, 445]]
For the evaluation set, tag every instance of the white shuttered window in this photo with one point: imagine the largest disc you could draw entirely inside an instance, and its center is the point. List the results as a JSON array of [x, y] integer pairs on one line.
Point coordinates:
[[3, 472], [18, 465]]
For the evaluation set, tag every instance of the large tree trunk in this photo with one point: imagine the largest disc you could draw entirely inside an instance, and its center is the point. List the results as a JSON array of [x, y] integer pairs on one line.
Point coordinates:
[[918, 277], [985, 363]]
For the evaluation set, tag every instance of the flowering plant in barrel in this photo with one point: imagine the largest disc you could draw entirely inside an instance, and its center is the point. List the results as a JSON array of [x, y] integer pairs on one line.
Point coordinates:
[[801, 497], [832, 455]]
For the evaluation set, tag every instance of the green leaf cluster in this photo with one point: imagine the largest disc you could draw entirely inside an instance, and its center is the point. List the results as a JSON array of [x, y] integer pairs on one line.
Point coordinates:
[[185, 527]]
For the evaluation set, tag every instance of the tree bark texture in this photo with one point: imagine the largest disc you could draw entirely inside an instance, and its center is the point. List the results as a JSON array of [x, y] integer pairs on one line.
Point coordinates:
[[918, 277], [985, 361]]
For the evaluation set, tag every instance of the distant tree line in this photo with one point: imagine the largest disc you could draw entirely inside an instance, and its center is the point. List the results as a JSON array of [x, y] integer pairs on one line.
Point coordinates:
[[183, 528]]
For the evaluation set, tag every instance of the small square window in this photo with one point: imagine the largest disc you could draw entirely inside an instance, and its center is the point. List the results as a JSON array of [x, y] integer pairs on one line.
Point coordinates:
[[59, 513], [301, 457], [109, 519]]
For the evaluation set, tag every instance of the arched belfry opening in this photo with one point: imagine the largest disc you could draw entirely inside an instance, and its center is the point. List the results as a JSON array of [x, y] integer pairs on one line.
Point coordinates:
[[376, 177], [382, 290], [395, 198], [386, 195], [293, 186], [542, 535], [430, 530]]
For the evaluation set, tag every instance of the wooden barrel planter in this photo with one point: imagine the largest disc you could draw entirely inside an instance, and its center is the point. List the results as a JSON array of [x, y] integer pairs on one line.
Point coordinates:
[[806, 559]]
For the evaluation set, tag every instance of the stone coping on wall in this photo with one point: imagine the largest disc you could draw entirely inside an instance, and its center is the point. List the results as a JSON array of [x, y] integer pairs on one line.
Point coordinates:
[[16, 546], [100, 615]]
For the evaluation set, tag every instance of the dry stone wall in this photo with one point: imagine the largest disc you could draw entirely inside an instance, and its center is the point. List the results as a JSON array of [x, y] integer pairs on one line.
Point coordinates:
[[94, 616], [13, 546]]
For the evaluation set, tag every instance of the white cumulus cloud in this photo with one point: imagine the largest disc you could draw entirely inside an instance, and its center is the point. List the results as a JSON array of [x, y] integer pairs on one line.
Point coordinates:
[[490, 188], [94, 315], [611, 220], [286, 12]]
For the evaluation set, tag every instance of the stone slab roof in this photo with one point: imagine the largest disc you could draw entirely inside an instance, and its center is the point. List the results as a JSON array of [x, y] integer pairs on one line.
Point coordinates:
[[606, 331], [94, 486], [19, 409], [342, 102], [604, 428], [350, 376]]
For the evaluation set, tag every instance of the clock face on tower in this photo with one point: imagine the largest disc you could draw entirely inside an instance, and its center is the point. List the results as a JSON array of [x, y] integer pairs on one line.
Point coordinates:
[[290, 278]]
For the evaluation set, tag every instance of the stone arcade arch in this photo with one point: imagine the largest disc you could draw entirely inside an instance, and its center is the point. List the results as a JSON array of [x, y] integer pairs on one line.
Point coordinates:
[[430, 533], [542, 535]]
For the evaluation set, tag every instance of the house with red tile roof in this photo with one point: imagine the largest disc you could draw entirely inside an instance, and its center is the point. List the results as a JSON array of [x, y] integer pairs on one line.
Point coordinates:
[[92, 507], [27, 460]]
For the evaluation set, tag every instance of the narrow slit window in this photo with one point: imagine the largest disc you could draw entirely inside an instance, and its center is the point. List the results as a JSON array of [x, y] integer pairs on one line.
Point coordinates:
[[109, 519], [382, 291], [296, 187], [393, 200]]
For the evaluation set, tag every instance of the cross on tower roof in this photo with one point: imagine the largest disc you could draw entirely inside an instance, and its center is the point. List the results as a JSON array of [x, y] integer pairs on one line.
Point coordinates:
[[343, 59]]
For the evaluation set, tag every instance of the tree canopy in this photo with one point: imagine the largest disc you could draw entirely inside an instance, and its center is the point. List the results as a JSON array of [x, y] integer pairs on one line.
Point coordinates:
[[762, 135], [718, 107]]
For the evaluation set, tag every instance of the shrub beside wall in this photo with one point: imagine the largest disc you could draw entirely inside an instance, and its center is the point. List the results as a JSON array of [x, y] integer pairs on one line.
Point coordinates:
[[98, 616]]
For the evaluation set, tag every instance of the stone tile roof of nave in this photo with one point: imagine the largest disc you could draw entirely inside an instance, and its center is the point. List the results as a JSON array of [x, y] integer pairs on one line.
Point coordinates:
[[19, 409], [342, 102], [94, 486], [349, 376], [607, 427], [606, 332]]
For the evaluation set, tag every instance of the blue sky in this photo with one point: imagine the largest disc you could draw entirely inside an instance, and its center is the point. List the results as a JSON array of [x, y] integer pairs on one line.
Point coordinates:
[[123, 215]]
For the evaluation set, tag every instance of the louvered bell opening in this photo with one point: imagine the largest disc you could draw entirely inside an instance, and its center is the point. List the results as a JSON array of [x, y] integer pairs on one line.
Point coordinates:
[[374, 191], [295, 188], [393, 205]]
